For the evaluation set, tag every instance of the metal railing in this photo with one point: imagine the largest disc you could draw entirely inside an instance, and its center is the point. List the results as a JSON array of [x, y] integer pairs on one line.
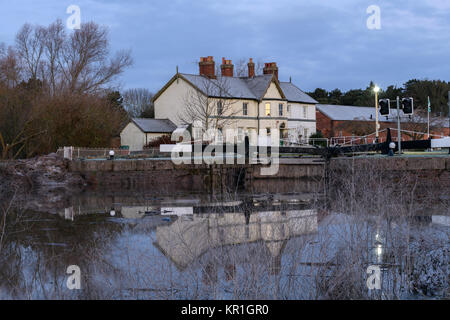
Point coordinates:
[[323, 142], [371, 138], [79, 152]]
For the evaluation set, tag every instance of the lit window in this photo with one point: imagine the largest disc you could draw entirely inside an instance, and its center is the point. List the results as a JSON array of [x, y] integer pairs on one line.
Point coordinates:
[[245, 108], [280, 109], [268, 109]]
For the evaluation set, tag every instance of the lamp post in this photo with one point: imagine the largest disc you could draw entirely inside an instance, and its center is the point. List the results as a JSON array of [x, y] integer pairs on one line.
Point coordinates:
[[376, 89]]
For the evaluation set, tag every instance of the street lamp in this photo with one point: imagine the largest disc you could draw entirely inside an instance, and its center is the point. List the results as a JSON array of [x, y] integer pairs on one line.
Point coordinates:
[[376, 89]]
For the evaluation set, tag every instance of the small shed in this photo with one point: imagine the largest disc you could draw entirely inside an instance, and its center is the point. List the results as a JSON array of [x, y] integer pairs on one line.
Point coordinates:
[[140, 131]]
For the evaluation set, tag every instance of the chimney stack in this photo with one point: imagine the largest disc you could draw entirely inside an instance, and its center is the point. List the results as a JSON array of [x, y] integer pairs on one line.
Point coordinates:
[[271, 68], [227, 68], [251, 68], [207, 67]]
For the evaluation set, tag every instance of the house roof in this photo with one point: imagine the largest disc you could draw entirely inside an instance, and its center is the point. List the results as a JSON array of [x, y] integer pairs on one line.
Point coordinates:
[[155, 125], [349, 113], [294, 94], [227, 87], [258, 85], [253, 88]]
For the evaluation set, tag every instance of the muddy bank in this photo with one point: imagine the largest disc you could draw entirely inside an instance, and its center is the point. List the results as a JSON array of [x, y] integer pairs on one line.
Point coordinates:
[[40, 175]]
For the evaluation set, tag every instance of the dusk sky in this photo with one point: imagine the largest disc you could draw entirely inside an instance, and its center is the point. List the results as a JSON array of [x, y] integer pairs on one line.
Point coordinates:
[[318, 43]]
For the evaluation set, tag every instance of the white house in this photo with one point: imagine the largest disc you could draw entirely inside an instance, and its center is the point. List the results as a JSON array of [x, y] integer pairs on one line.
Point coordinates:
[[258, 102], [139, 132]]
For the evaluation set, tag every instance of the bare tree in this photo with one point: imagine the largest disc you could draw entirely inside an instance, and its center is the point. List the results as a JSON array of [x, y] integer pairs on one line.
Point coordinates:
[[55, 82], [9, 67], [78, 62], [241, 68], [85, 57], [211, 106], [30, 47], [138, 103], [54, 43]]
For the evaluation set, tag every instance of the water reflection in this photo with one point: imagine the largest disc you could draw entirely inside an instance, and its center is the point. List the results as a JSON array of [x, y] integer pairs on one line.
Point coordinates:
[[191, 235], [193, 246]]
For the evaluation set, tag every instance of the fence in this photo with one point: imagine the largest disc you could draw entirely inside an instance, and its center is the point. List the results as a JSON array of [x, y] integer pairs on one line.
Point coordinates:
[[322, 142], [371, 138], [79, 153]]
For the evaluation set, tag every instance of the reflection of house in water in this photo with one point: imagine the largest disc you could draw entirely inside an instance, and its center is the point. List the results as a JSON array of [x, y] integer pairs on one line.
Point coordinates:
[[441, 220], [187, 238], [136, 212]]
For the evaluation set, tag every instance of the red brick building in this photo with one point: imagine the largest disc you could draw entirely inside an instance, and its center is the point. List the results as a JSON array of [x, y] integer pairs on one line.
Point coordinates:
[[346, 121]]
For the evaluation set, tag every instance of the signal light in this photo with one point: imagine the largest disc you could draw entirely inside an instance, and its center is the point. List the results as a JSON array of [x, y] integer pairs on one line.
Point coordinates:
[[385, 107], [408, 105]]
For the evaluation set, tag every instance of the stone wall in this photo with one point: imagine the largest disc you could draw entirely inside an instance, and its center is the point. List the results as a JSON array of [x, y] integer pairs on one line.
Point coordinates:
[[426, 177], [306, 174], [164, 175]]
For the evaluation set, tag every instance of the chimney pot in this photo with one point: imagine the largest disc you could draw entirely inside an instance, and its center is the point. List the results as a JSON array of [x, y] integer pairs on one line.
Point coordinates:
[[227, 68], [271, 68], [207, 67], [251, 68]]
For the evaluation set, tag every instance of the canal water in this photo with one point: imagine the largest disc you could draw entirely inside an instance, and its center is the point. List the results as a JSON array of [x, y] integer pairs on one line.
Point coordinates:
[[196, 246]]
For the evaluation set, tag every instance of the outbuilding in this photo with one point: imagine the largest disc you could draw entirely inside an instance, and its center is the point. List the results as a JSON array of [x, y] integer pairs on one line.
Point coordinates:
[[140, 131]]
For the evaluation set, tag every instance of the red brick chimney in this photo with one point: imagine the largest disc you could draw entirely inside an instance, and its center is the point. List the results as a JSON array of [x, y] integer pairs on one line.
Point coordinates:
[[207, 67], [251, 68], [227, 68], [271, 68]]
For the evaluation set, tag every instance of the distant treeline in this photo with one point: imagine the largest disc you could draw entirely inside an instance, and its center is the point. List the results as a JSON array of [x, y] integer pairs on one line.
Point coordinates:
[[420, 90]]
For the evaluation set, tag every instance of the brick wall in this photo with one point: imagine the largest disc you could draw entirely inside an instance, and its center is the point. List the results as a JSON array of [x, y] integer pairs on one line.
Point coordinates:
[[335, 128], [324, 124]]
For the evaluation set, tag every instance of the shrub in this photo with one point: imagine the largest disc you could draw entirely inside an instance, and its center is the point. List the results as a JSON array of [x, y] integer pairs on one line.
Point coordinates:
[[165, 139]]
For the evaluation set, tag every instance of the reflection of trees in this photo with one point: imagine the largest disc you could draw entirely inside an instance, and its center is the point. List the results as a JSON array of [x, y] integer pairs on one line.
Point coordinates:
[[39, 248]]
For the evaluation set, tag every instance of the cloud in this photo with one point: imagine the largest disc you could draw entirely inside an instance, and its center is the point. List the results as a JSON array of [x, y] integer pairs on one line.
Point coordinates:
[[319, 43]]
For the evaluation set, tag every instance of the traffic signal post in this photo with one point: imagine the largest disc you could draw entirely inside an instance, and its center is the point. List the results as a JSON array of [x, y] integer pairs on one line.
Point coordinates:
[[406, 104], [399, 132]]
